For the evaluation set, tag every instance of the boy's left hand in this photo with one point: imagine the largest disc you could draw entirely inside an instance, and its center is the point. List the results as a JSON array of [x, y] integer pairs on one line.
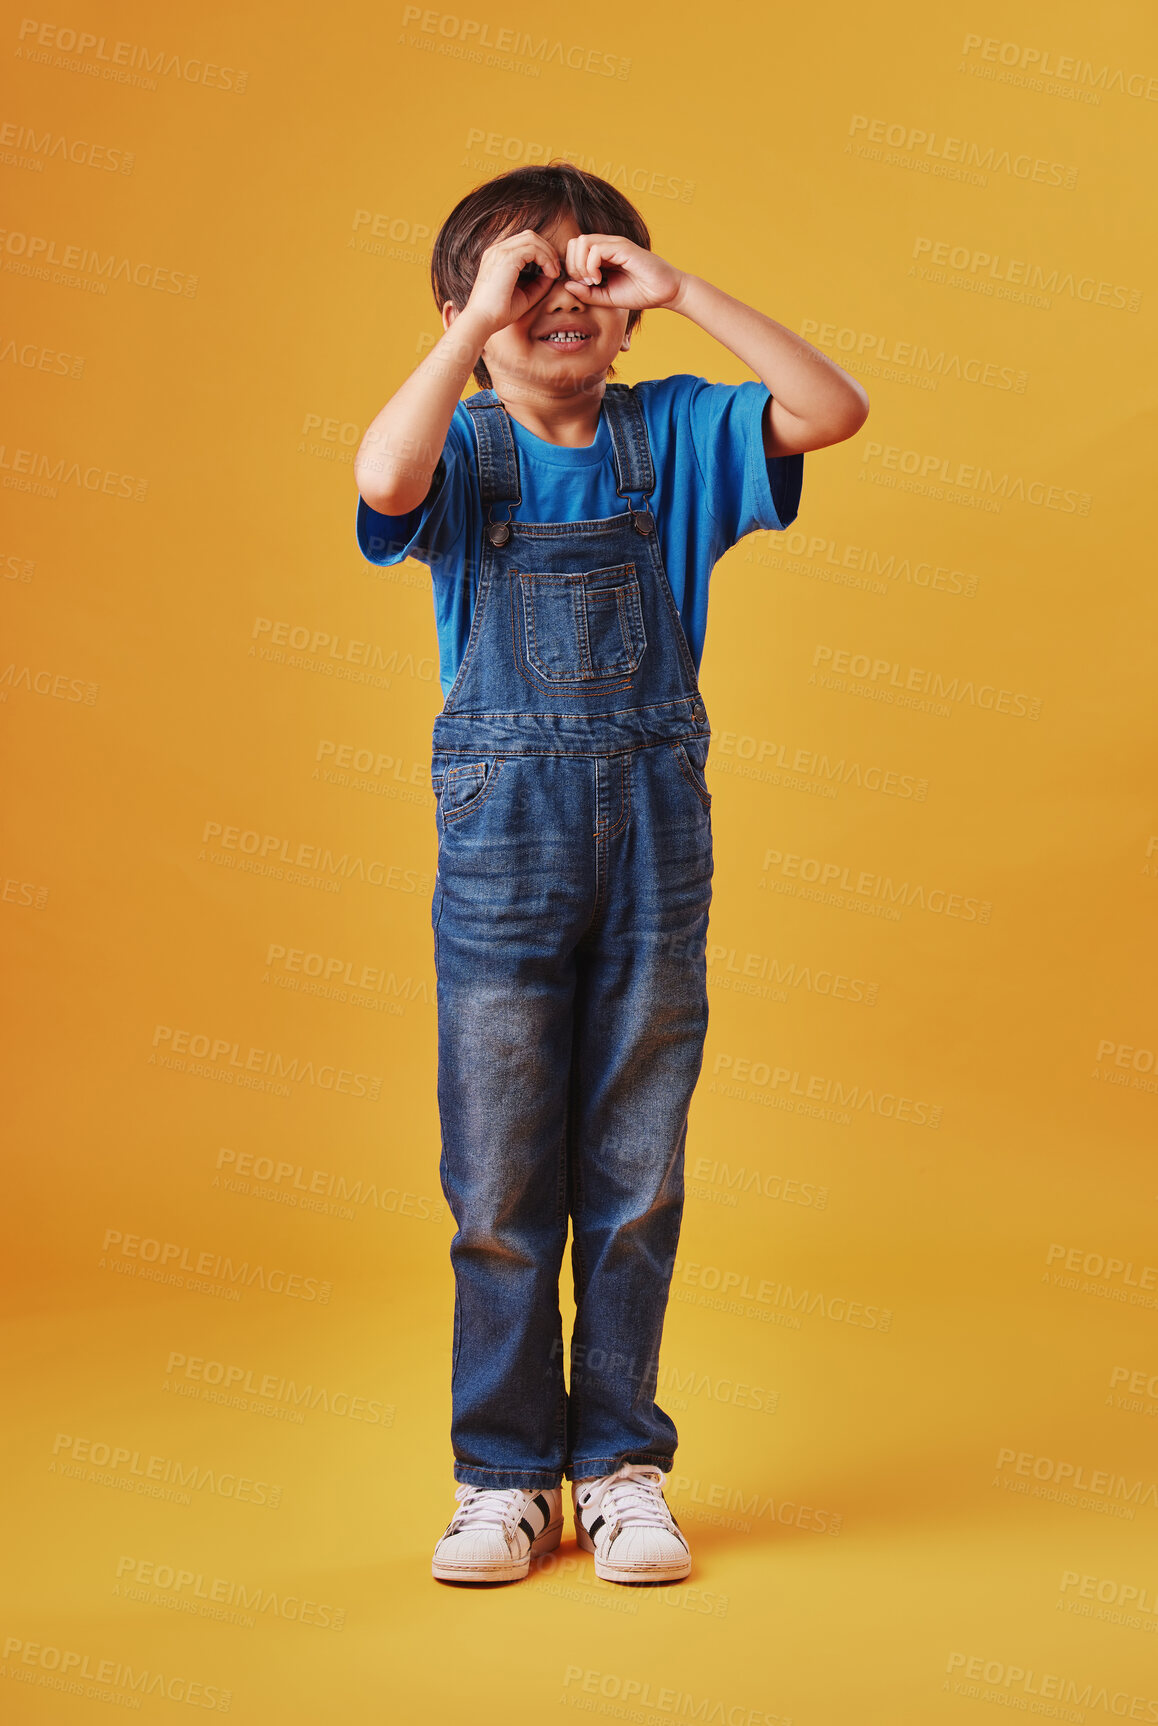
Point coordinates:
[[633, 278]]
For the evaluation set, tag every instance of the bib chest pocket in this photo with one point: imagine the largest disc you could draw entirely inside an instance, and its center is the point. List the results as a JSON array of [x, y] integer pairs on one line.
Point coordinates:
[[584, 628]]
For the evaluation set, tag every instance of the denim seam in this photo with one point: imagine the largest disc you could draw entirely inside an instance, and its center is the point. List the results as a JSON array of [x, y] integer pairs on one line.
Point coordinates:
[[601, 873], [579, 578], [535, 1484], [616, 713], [579, 608], [592, 754], [457, 1340], [561, 1223], [600, 1465], [668, 597], [599, 834], [480, 606], [624, 798], [579, 1267], [632, 627], [594, 528]]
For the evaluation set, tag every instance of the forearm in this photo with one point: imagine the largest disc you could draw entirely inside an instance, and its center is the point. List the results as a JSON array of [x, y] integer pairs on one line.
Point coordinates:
[[397, 456], [805, 382]]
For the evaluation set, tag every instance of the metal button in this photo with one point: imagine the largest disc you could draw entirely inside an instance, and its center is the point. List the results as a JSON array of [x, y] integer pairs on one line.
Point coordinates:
[[498, 533], [641, 523]]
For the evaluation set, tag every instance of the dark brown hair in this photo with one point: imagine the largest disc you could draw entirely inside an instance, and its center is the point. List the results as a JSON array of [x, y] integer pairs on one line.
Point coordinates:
[[525, 198]]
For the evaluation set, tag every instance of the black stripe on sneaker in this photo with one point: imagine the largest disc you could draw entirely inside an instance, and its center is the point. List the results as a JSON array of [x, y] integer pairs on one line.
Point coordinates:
[[543, 1508], [596, 1526], [527, 1529]]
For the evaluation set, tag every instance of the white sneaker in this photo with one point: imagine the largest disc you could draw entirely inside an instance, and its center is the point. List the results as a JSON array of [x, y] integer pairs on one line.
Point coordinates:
[[494, 1534], [624, 1520]]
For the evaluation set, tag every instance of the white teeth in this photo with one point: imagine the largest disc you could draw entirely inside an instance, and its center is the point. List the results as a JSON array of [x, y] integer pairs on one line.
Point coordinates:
[[566, 337]]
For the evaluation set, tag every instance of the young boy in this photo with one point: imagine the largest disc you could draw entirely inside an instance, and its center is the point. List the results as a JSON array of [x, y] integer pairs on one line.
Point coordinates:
[[571, 524]]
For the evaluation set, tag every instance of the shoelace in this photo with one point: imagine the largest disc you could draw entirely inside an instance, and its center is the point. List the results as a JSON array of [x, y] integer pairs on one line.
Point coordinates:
[[634, 1497], [486, 1507]]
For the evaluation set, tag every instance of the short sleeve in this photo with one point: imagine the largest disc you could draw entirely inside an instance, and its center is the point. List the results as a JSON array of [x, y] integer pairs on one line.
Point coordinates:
[[745, 489], [434, 531]]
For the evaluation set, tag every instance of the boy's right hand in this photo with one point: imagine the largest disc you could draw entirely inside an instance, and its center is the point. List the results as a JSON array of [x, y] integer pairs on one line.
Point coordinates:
[[513, 275]]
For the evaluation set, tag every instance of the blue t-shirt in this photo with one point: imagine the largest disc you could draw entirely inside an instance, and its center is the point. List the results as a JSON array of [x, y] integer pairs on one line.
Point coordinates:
[[714, 484]]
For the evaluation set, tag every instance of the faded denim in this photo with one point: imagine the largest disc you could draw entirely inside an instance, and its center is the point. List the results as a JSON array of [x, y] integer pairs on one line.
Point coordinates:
[[570, 918]]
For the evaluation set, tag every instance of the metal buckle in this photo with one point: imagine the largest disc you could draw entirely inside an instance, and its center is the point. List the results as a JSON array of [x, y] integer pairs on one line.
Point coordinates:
[[499, 532]]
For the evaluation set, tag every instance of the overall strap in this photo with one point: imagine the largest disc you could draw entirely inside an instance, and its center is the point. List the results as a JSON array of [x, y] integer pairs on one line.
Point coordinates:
[[498, 462], [633, 463]]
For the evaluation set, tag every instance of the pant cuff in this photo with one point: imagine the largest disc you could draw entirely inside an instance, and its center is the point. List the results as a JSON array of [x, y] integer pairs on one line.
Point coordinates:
[[587, 1468], [499, 1479]]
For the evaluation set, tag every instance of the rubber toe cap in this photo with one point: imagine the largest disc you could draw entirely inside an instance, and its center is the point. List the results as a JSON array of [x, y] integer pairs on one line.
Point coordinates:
[[473, 1546], [644, 1546]]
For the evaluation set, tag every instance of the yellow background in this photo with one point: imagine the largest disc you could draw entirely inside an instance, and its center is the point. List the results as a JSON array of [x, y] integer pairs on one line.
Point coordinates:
[[891, 1519]]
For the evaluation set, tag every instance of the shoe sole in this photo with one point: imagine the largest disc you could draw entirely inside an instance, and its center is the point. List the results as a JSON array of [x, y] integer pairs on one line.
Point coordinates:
[[673, 1570], [512, 1571]]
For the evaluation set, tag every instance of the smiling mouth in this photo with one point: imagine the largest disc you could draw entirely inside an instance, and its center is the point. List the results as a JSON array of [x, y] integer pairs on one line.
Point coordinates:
[[566, 339]]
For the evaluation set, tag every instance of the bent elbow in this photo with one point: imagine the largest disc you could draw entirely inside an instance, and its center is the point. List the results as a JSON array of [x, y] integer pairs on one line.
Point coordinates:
[[848, 423], [858, 408], [382, 504], [396, 501]]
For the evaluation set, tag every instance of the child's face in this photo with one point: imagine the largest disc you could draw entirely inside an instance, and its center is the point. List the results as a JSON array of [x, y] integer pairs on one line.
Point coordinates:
[[520, 354]]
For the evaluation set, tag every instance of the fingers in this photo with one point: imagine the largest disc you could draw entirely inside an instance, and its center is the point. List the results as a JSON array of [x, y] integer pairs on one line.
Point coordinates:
[[527, 247], [582, 260], [528, 267], [544, 254], [588, 253]]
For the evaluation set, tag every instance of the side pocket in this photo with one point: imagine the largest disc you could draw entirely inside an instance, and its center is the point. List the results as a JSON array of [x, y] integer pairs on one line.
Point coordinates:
[[692, 759], [466, 786]]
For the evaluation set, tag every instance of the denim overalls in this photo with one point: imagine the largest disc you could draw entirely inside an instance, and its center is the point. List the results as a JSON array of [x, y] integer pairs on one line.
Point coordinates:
[[570, 918]]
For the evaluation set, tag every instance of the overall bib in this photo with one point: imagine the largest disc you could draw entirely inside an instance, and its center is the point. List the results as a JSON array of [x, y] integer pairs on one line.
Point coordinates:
[[570, 918]]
